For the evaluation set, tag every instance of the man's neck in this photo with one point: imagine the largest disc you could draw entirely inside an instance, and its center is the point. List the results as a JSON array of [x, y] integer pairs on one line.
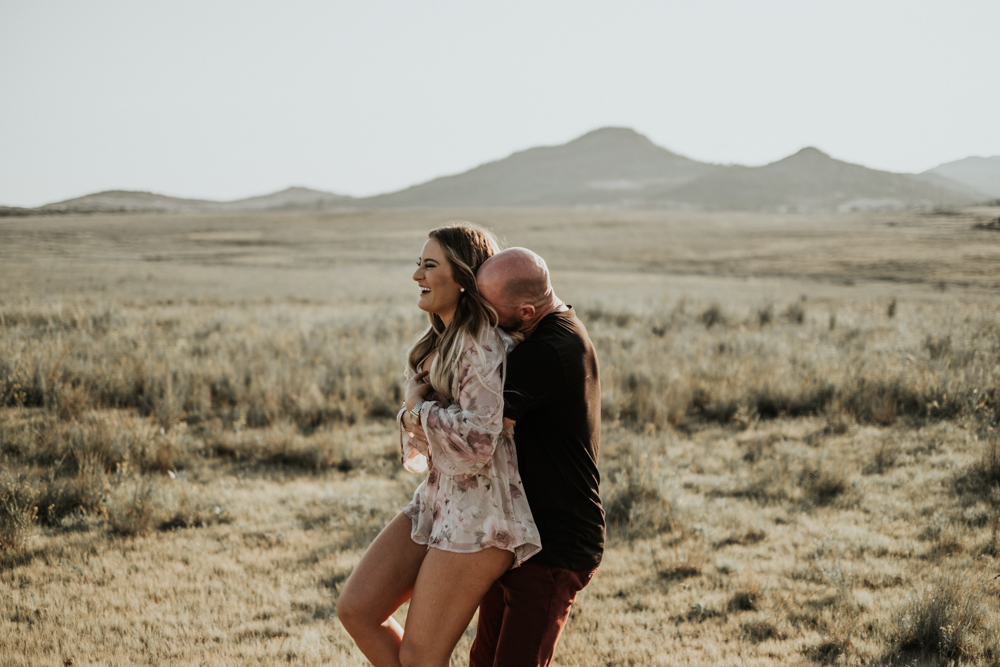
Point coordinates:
[[555, 305]]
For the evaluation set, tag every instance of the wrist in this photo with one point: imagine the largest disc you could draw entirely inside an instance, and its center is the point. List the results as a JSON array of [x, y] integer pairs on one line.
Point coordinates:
[[415, 411]]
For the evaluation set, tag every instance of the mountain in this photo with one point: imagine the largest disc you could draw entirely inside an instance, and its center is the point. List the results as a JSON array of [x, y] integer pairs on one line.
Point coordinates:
[[811, 180], [616, 167], [606, 166], [291, 199], [127, 201], [979, 173]]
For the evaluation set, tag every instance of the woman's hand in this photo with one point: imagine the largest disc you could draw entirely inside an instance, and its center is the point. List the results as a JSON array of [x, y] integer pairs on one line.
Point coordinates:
[[416, 389]]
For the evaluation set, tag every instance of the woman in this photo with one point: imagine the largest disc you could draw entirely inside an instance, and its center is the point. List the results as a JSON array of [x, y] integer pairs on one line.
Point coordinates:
[[469, 521]]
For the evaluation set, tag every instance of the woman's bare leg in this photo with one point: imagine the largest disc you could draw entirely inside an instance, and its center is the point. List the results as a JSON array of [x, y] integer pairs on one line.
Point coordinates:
[[381, 582], [445, 597]]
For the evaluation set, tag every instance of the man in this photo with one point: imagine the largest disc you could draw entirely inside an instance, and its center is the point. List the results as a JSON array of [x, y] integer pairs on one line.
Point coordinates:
[[553, 396]]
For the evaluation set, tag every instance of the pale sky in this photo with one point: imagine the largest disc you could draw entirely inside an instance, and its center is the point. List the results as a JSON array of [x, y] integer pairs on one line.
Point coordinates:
[[224, 99]]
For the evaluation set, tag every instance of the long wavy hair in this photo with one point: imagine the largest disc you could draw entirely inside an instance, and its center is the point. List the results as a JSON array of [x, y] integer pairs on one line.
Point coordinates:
[[466, 247]]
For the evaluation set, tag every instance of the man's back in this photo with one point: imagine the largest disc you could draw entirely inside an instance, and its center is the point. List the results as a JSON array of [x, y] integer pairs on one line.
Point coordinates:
[[553, 393]]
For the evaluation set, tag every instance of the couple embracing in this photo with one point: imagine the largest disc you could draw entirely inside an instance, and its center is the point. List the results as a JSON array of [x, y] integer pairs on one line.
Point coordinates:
[[509, 517]]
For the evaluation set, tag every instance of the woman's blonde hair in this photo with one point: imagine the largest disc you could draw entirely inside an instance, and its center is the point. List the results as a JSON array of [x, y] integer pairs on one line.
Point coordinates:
[[466, 247]]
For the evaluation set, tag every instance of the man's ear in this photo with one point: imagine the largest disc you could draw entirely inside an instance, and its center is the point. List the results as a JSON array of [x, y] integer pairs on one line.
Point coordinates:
[[526, 312]]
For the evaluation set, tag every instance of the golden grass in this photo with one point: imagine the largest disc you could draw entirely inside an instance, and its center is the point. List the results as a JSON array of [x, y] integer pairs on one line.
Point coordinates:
[[196, 443]]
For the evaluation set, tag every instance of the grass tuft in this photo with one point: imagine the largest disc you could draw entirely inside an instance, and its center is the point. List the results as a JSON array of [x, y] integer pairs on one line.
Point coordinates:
[[638, 510], [129, 509], [747, 599], [760, 630], [883, 460], [744, 538], [712, 316], [982, 478], [680, 562], [823, 483], [18, 512], [828, 652], [795, 313], [765, 315], [66, 494], [950, 622]]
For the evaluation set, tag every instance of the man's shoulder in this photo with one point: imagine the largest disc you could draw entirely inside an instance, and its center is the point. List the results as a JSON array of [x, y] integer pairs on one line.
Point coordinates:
[[559, 334], [531, 350], [563, 331], [561, 325]]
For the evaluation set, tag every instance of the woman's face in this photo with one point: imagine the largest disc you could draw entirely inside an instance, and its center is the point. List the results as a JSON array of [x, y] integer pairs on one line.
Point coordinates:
[[438, 290]]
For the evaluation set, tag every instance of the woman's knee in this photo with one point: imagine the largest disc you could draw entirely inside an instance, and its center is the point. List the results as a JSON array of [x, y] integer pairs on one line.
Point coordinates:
[[413, 654], [408, 656], [351, 611]]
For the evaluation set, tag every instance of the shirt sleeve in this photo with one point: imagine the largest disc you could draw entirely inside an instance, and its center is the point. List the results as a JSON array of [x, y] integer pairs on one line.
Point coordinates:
[[413, 452], [462, 436], [534, 379]]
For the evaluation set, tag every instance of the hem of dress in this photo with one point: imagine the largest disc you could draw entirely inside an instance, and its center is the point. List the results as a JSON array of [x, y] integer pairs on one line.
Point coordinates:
[[518, 561]]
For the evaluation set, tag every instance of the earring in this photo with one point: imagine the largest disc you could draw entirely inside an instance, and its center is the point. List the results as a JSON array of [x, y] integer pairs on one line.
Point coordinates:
[[461, 289]]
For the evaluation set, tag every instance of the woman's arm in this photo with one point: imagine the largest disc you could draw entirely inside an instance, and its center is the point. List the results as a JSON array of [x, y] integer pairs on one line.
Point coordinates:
[[413, 450], [462, 436]]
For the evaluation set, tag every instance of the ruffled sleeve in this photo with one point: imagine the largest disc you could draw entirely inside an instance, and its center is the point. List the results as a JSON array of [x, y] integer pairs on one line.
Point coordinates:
[[462, 436], [414, 452]]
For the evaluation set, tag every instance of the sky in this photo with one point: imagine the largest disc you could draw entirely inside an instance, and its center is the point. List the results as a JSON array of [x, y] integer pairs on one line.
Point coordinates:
[[228, 99]]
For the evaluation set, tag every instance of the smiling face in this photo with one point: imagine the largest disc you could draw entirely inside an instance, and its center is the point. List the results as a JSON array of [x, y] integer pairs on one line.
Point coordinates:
[[439, 293]]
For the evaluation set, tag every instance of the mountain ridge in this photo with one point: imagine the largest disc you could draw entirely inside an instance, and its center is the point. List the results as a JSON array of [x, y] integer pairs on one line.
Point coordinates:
[[551, 175], [979, 173], [812, 180], [132, 201], [612, 167]]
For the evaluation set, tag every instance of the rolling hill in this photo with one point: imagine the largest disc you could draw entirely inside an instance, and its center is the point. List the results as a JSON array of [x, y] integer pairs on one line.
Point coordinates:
[[616, 167], [127, 201], [606, 166], [811, 180], [980, 173]]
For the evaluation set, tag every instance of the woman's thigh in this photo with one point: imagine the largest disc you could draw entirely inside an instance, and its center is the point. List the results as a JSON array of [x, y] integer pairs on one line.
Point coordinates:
[[384, 578], [447, 591]]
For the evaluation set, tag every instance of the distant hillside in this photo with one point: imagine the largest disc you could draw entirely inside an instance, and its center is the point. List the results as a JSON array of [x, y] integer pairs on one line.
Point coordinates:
[[811, 180], [291, 199], [616, 167], [126, 201], [980, 173], [619, 167], [606, 166]]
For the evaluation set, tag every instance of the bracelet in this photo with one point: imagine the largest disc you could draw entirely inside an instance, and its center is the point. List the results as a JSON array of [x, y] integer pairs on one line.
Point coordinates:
[[416, 411]]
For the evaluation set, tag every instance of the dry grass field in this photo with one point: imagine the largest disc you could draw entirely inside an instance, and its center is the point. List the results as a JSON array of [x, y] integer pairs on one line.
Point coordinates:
[[800, 449]]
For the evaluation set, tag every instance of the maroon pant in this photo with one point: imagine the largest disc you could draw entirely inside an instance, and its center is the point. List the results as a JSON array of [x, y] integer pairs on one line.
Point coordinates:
[[523, 614]]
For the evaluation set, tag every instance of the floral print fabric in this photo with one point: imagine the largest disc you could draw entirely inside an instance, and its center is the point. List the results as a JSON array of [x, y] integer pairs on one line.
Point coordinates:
[[472, 498]]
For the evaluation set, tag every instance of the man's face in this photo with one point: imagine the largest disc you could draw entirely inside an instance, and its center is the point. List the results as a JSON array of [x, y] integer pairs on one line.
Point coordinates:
[[508, 318]]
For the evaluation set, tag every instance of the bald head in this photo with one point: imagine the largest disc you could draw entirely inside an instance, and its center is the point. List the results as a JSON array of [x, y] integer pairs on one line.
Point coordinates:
[[516, 282]]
